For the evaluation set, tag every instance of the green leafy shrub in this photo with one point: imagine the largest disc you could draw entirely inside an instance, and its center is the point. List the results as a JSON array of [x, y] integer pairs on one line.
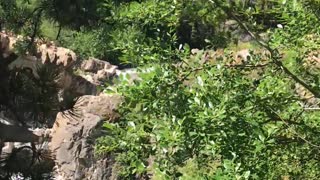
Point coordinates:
[[222, 126], [223, 123]]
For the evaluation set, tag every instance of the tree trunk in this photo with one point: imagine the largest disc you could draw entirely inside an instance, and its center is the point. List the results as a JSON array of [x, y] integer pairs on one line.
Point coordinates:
[[12, 133]]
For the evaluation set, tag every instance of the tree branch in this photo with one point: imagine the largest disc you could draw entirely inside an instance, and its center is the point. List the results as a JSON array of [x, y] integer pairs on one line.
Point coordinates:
[[295, 132], [35, 28], [275, 57]]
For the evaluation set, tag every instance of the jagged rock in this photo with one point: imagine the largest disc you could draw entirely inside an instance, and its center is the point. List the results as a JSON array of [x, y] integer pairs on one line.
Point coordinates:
[[4, 41], [65, 56], [57, 55], [7, 43], [78, 85], [101, 75], [94, 65], [71, 136], [26, 61], [81, 86], [97, 71], [64, 79], [104, 74], [71, 141], [46, 52], [312, 60]]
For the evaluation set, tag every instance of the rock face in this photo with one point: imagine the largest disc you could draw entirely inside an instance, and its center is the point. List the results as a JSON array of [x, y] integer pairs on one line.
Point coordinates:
[[81, 77], [97, 71], [72, 138], [94, 65], [48, 54], [45, 52], [57, 55]]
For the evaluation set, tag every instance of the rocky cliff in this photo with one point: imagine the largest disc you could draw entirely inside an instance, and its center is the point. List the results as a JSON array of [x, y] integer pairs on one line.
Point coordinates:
[[69, 142]]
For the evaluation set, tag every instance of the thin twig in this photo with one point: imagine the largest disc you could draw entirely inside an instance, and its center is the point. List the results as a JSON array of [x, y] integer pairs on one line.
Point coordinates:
[[293, 131], [184, 77], [246, 65], [311, 109], [35, 28]]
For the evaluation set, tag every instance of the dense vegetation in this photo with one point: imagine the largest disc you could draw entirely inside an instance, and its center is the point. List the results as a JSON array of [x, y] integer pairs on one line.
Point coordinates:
[[198, 116]]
